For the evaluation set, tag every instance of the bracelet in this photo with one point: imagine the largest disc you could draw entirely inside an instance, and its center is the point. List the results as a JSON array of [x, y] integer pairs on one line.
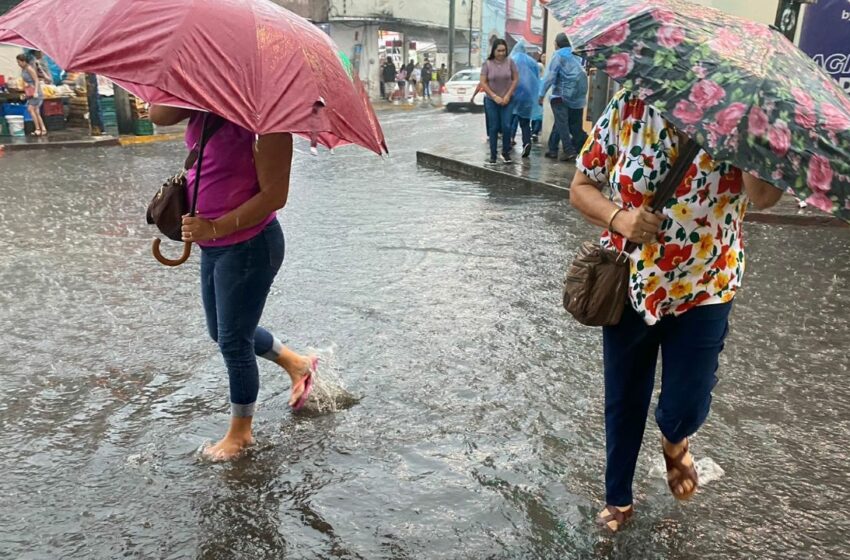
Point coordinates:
[[614, 215]]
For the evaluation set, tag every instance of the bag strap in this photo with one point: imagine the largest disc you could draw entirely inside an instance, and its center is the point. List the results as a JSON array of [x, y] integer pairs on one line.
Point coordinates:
[[210, 131], [206, 134], [667, 191]]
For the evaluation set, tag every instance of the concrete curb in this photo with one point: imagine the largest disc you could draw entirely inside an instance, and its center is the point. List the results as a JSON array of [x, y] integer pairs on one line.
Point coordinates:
[[463, 170], [153, 139], [97, 142]]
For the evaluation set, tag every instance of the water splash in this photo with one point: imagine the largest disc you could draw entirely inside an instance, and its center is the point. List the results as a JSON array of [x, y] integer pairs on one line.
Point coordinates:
[[329, 392], [707, 469]]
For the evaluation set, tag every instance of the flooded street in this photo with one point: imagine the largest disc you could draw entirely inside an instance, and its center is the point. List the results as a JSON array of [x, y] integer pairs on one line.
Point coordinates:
[[479, 433]]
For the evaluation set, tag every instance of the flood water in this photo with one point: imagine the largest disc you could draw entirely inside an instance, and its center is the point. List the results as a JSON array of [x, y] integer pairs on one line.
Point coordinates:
[[479, 429]]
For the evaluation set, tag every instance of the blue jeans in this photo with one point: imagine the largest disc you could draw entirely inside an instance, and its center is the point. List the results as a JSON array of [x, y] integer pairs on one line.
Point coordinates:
[[536, 127], [426, 88], [235, 282], [499, 119], [567, 130], [690, 346]]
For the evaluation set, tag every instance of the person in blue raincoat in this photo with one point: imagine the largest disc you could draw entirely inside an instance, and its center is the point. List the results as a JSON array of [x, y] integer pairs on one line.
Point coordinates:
[[526, 106]]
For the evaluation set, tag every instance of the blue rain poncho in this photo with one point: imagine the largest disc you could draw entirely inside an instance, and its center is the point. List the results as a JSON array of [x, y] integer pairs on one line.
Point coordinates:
[[525, 99]]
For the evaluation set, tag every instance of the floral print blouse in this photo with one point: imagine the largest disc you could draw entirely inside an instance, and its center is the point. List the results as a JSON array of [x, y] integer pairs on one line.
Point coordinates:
[[698, 256]]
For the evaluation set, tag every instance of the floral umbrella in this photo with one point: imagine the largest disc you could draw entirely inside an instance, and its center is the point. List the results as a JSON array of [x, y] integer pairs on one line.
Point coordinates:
[[742, 90]]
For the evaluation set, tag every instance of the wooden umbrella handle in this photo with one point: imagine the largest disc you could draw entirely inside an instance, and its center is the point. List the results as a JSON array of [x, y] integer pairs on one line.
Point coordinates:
[[187, 250]]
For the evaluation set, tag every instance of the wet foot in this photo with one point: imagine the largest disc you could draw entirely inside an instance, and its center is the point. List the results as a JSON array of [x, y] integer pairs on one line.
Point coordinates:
[[228, 448], [681, 473], [612, 518], [297, 367]]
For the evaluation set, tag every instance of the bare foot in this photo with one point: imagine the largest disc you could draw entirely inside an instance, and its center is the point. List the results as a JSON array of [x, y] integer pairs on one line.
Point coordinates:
[[238, 438], [297, 366], [227, 449]]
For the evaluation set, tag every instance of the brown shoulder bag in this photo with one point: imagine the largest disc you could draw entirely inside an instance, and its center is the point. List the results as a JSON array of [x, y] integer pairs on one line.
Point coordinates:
[[596, 286]]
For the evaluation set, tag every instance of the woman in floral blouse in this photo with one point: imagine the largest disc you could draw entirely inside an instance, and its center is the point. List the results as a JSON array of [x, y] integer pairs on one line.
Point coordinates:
[[683, 280]]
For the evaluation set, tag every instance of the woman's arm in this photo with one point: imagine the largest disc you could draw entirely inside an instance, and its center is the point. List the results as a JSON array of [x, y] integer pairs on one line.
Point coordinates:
[[485, 86], [638, 225], [273, 161], [514, 82], [164, 115], [762, 194]]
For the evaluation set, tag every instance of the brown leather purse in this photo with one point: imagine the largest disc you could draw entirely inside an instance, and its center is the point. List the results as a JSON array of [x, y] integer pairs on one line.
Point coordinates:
[[596, 287]]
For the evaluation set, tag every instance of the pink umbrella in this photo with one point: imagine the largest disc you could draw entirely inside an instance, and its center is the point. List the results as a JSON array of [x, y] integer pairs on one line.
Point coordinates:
[[250, 61]]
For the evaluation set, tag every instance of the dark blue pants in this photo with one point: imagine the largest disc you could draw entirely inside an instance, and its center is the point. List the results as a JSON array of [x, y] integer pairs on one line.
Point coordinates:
[[520, 123], [235, 282], [499, 119], [690, 346], [567, 130]]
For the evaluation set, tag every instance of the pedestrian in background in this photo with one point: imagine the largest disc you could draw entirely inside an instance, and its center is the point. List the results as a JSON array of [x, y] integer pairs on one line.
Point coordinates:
[[443, 77], [568, 81], [41, 67], [34, 94], [525, 98], [427, 76], [415, 77], [389, 79], [499, 79], [401, 80], [683, 280], [245, 181]]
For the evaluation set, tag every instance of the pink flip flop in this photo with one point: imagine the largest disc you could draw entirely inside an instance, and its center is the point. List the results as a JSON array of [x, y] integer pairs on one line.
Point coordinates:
[[308, 385]]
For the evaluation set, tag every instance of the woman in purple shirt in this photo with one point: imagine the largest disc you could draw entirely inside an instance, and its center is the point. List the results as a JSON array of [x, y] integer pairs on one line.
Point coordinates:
[[244, 182], [499, 78]]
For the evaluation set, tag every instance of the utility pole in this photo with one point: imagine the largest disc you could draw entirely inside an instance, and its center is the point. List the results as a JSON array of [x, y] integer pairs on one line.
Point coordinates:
[[451, 37], [471, 10]]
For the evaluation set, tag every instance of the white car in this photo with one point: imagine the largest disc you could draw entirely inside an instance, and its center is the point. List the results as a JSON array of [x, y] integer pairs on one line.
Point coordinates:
[[460, 88]]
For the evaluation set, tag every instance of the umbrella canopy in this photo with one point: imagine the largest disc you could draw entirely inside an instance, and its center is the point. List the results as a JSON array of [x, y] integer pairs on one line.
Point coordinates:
[[250, 61], [742, 90]]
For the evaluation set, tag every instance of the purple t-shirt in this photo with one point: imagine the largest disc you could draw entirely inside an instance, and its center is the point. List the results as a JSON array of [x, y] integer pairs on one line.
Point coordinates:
[[228, 178], [500, 75]]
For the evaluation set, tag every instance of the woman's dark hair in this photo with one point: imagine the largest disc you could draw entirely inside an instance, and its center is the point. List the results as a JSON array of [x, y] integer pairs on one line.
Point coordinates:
[[23, 58], [496, 44]]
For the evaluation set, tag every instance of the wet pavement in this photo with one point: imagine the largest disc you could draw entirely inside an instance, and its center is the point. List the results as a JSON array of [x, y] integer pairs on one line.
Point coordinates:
[[539, 174], [479, 433]]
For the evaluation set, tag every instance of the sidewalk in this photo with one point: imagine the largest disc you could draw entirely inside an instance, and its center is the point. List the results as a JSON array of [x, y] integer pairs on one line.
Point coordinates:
[[410, 105], [538, 174], [80, 138]]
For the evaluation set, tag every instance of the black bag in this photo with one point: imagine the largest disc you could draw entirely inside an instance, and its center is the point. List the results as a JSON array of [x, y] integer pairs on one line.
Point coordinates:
[[171, 201], [596, 286]]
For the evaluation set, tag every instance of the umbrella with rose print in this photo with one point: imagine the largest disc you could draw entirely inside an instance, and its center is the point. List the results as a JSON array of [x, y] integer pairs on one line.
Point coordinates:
[[742, 90]]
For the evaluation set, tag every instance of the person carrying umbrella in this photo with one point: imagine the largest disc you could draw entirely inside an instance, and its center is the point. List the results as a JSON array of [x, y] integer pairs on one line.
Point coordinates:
[[243, 100], [754, 109], [242, 248], [683, 282]]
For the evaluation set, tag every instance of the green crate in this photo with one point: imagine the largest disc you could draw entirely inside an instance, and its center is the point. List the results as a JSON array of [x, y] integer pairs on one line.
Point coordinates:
[[4, 127], [143, 128]]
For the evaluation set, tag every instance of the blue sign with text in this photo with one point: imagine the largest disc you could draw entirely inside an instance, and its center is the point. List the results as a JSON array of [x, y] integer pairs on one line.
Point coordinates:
[[826, 38]]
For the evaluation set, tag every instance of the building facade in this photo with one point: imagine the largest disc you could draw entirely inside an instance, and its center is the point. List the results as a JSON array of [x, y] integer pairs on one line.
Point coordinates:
[[368, 31]]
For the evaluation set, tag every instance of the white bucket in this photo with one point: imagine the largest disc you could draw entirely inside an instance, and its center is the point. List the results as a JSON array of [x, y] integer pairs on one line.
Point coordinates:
[[16, 125]]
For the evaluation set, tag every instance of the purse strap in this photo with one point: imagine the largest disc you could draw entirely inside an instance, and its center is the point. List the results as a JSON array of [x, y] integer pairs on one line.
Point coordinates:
[[667, 191], [209, 131], [198, 154]]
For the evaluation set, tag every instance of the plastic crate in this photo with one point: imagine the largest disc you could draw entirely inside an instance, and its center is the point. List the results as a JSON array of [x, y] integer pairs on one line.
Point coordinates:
[[4, 128], [143, 128], [52, 107], [16, 109]]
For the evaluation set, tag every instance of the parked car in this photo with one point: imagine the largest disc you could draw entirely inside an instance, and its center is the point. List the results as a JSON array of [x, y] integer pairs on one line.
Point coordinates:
[[459, 90]]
